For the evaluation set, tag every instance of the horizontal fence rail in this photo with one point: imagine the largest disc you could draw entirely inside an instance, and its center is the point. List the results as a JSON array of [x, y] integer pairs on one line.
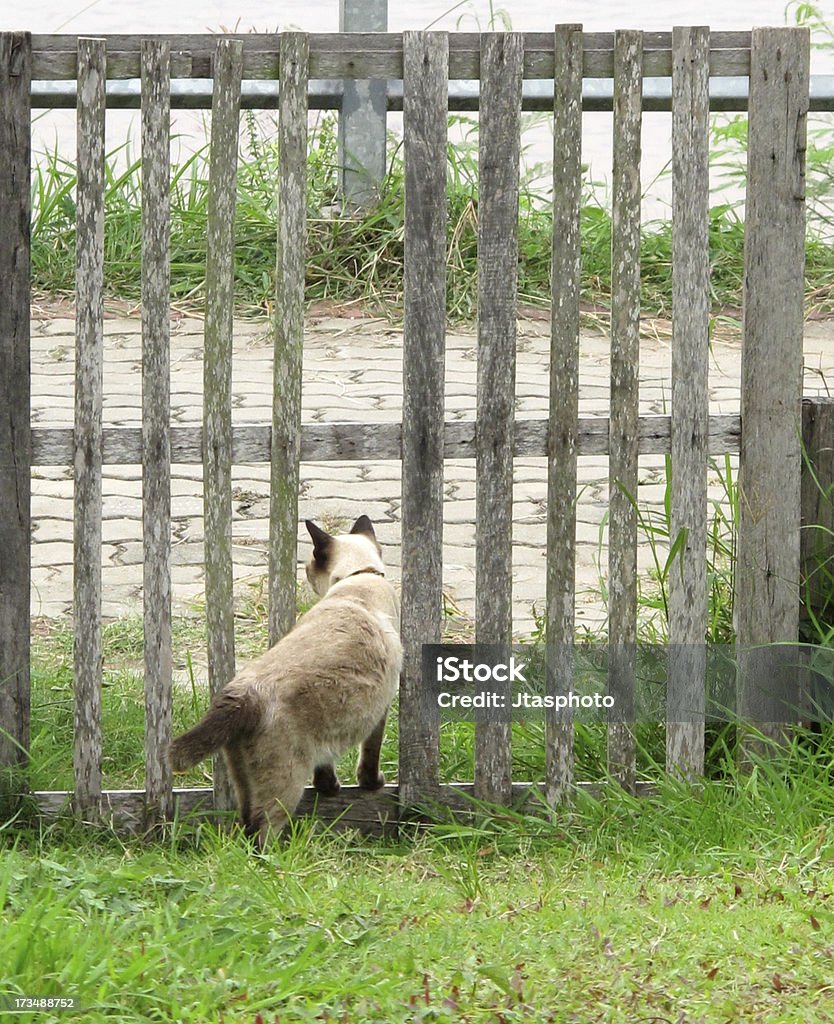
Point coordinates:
[[286, 71], [380, 55], [351, 442]]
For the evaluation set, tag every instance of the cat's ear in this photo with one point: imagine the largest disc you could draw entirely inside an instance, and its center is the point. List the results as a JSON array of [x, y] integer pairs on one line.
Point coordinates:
[[321, 542], [363, 525]]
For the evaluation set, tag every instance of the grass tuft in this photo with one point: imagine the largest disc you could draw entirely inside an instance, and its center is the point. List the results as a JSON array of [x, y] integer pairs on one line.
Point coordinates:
[[358, 258]]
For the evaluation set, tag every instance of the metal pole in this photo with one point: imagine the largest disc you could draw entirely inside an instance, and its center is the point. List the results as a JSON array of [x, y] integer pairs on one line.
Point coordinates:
[[362, 122]]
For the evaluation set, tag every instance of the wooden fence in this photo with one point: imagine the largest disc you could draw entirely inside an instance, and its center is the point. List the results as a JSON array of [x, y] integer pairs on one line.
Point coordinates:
[[766, 435]]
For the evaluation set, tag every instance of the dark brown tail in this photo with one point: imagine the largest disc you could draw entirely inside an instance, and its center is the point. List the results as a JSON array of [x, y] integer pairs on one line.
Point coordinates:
[[230, 717]]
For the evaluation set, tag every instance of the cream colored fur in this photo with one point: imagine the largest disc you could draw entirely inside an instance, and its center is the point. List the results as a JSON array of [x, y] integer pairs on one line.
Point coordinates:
[[324, 688]]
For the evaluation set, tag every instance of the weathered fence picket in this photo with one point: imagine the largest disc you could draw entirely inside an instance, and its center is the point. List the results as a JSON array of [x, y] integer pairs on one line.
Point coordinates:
[[89, 366], [426, 73], [625, 401], [685, 688], [502, 60], [289, 333], [767, 434], [156, 422], [563, 442], [217, 381], [767, 570], [15, 433]]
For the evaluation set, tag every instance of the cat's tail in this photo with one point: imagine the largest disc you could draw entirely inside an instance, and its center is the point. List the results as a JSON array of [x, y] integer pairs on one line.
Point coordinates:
[[230, 717]]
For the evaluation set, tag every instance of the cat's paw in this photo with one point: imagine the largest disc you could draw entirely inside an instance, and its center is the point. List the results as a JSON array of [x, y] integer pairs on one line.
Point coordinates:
[[325, 781], [370, 779]]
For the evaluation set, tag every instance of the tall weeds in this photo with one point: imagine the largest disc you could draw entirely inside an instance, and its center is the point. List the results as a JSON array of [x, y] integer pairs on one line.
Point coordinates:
[[358, 258]]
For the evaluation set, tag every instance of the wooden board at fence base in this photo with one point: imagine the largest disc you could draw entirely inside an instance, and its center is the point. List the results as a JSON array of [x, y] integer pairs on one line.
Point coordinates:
[[288, 325], [625, 397], [156, 422], [87, 455], [686, 682], [15, 436], [563, 424], [767, 574], [424, 342], [372, 813], [499, 154], [217, 381]]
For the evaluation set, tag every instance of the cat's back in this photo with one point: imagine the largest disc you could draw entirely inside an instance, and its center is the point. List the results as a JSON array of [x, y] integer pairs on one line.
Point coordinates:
[[345, 649]]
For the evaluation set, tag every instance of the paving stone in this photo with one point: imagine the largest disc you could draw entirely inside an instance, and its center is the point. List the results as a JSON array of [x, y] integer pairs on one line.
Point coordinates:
[[52, 553], [46, 530], [459, 512]]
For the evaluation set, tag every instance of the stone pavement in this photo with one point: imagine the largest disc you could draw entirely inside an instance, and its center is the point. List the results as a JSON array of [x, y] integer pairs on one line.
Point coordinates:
[[352, 372]]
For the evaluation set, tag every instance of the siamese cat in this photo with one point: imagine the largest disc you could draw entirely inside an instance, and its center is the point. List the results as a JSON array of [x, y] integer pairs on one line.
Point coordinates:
[[323, 688]]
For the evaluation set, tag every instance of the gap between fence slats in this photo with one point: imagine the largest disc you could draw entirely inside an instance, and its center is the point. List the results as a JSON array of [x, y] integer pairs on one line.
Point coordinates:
[[15, 431], [89, 362], [625, 397], [156, 417], [426, 57], [767, 579], [288, 325], [217, 381], [685, 695], [502, 57], [563, 428]]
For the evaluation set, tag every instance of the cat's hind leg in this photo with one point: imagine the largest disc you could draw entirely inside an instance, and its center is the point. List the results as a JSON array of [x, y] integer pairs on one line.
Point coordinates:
[[275, 797], [236, 761], [368, 774]]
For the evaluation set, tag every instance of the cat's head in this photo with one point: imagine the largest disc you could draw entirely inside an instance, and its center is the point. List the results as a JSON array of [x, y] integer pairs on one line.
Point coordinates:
[[347, 554]]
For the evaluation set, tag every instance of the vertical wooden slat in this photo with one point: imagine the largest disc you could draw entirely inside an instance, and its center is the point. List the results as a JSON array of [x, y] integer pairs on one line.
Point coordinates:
[[88, 400], [625, 358], [767, 581], [15, 436], [502, 56], [425, 86], [564, 402], [289, 333], [690, 400], [89, 360], [217, 380], [156, 417]]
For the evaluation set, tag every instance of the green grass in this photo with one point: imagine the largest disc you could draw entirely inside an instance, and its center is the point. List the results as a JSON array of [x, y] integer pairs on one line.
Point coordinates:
[[358, 259], [707, 904]]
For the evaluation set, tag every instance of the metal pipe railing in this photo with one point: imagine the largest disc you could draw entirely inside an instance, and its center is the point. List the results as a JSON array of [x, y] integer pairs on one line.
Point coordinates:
[[728, 94]]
